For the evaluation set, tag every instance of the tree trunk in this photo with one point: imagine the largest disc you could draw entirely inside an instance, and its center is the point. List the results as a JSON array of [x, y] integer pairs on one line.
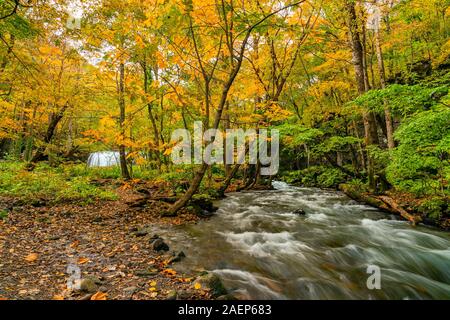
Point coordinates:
[[382, 71], [151, 115], [122, 151], [370, 128], [5, 58], [226, 126], [40, 152]]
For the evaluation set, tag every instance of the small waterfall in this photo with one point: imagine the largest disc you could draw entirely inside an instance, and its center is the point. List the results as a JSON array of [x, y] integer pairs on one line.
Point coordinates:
[[103, 159]]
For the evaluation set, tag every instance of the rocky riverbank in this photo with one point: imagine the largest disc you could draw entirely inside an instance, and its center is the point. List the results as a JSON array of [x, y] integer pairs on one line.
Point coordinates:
[[106, 250]]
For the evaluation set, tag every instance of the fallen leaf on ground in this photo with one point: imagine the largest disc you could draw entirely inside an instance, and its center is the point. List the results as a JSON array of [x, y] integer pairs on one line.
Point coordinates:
[[31, 257], [197, 286], [74, 244], [169, 272], [99, 296], [83, 260]]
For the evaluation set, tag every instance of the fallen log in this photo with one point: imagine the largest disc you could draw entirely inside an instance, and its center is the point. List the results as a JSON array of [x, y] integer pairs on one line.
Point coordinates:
[[395, 206], [384, 203], [361, 197]]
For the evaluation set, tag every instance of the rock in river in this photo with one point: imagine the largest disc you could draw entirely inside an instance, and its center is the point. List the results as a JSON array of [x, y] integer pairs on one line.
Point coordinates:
[[299, 212], [177, 257], [212, 283], [160, 245]]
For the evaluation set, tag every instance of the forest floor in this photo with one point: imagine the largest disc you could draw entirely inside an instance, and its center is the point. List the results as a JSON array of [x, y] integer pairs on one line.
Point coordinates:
[[107, 241]]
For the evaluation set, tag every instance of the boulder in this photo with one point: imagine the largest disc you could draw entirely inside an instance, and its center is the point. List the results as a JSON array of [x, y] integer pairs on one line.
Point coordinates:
[[177, 257], [184, 295], [172, 295], [212, 283], [141, 233], [128, 292], [299, 212], [160, 245], [88, 286], [203, 203]]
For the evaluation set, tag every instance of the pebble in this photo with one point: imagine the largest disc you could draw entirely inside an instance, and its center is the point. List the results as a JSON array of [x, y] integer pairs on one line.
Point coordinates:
[[178, 257]]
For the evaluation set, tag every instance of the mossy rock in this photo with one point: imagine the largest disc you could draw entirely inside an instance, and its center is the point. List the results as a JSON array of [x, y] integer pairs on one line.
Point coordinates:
[[202, 204], [213, 284]]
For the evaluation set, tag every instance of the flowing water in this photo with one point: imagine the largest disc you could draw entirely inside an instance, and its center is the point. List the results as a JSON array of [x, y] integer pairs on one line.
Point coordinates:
[[263, 251]]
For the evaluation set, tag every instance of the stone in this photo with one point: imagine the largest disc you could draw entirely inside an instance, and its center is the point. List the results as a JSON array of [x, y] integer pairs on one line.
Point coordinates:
[[184, 295], [88, 285], [160, 245], [178, 257], [202, 204], [141, 233], [103, 289], [299, 212], [212, 283], [172, 295], [128, 292]]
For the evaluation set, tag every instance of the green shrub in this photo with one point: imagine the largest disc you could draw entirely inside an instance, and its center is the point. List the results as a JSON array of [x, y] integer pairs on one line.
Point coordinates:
[[3, 214], [316, 176], [420, 164], [331, 178], [51, 184], [358, 184], [435, 207]]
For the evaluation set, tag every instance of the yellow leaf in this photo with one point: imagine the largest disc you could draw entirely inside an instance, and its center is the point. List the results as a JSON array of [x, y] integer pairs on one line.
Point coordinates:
[[152, 283], [74, 244], [83, 260], [152, 289], [99, 296], [168, 152], [170, 272], [31, 257], [197, 286], [58, 297]]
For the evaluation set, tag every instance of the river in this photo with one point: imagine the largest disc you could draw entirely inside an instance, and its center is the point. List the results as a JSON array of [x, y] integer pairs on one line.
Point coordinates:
[[262, 250]]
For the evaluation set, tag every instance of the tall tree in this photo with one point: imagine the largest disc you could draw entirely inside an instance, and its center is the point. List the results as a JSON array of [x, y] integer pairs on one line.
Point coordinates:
[[370, 127]]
